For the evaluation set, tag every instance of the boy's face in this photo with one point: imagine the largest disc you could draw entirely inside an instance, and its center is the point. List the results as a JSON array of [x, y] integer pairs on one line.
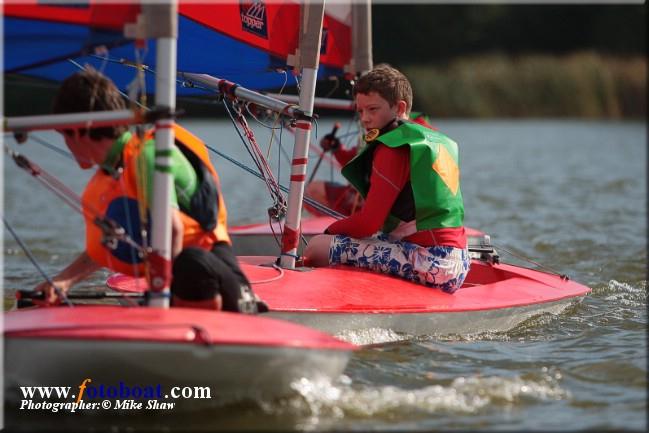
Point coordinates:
[[86, 151], [376, 112], [78, 147]]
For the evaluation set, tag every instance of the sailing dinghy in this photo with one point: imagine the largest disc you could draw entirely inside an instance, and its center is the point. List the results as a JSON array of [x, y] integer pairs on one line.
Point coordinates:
[[154, 344], [340, 299], [495, 296]]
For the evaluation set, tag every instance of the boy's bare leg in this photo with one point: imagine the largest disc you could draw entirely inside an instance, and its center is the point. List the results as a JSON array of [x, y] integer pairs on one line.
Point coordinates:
[[317, 252]]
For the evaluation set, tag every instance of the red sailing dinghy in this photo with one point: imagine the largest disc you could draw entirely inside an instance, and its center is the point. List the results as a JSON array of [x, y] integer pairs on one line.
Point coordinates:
[[259, 239], [494, 296], [342, 299], [237, 356]]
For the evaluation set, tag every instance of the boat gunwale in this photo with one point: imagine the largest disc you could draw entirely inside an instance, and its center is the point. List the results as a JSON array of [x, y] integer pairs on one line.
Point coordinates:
[[206, 335]]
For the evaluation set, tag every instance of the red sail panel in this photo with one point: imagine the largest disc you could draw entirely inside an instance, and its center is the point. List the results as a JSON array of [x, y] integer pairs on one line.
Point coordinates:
[[272, 27], [337, 41], [63, 14], [99, 16]]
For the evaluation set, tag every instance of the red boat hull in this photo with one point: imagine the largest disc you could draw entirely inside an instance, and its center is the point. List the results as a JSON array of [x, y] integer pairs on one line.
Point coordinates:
[[339, 299], [235, 356]]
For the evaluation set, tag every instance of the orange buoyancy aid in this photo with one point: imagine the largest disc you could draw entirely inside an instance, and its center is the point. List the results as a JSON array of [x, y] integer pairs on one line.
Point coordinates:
[[115, 196]]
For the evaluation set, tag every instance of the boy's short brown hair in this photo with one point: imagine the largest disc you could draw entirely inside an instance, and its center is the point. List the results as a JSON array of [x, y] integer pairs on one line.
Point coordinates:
[[388, 82], [90, 90]]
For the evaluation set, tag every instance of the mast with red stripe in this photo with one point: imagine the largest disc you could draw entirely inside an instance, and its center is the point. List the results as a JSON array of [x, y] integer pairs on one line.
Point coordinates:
[[162, 23], [307, 59]]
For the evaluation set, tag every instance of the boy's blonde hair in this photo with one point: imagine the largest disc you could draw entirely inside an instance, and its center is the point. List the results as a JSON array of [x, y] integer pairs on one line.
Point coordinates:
[[388, 82]]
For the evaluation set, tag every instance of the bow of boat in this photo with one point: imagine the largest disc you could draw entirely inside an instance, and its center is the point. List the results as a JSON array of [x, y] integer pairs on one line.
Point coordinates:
[[494, 297], [237, 356]]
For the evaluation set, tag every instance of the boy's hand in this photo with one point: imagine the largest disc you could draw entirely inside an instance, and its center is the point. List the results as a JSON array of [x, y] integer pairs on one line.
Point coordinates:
[[329, 143], [49, 294]]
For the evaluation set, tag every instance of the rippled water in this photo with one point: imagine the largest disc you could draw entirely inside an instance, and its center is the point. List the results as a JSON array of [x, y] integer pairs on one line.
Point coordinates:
[[568, 194]]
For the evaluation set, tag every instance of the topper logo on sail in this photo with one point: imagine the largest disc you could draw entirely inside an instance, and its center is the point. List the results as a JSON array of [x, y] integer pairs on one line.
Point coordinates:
[[253, 18]]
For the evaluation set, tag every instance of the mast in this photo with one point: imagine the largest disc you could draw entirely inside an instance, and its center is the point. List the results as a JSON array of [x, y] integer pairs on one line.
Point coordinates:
[[311, 16], [162, 23], [361, 37]]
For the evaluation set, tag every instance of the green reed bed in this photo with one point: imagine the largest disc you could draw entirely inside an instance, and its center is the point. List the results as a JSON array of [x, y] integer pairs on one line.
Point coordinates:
[[584, 84]]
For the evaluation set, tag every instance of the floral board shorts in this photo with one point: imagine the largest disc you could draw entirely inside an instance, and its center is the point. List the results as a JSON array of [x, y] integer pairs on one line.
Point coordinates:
[[441, 267]]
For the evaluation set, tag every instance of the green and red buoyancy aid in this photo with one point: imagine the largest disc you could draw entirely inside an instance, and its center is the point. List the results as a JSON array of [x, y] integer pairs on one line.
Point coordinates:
[[434, 176]]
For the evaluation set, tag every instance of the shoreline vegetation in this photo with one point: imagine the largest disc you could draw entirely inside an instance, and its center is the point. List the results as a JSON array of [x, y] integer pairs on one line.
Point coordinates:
[[582, 84]]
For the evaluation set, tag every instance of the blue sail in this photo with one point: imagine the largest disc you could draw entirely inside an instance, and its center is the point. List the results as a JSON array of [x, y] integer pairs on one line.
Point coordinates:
[[41, 41]]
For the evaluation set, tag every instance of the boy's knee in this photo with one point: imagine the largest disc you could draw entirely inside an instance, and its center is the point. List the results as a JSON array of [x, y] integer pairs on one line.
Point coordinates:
[[195, 276], [317, 252]]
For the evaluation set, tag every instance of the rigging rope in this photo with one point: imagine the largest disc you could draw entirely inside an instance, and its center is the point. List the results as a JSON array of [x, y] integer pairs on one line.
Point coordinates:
[[60, 293], [278, 210], [270, 280], [119, 90], [112, 231], [279, 201], [527, 259], [319, 206], [310, 201], [74, 201], [52, 147]]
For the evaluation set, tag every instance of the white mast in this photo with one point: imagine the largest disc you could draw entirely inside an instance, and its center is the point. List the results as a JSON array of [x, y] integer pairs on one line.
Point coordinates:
[[311, 16], [162, 23], [361, 37]]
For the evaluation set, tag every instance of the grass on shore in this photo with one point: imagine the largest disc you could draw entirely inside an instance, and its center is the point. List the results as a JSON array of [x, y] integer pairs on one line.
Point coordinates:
[[582, 85]]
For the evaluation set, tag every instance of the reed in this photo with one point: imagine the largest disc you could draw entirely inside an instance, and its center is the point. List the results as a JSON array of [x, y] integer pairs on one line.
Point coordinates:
[[582, 85]]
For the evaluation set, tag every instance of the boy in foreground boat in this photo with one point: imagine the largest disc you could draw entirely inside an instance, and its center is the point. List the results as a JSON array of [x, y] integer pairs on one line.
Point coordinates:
[[121, 190], [411, 224]]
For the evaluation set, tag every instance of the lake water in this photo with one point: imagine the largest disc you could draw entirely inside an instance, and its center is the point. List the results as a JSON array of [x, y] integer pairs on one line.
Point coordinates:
[[571, 195]]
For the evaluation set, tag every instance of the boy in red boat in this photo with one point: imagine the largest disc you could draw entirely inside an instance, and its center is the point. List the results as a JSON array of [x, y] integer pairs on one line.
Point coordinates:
[[121, 191], [411, 224], [337, 196]]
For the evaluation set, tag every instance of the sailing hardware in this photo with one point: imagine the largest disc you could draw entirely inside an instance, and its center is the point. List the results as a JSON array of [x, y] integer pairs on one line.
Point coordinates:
[[25, 298], [113, 234], [564, 277], [485, 251]]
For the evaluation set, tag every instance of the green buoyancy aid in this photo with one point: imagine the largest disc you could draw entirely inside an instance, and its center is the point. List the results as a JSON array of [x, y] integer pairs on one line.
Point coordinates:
[[434, 175]]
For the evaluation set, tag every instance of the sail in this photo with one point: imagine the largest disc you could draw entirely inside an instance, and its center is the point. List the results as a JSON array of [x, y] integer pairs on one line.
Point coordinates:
[[248, 42]]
